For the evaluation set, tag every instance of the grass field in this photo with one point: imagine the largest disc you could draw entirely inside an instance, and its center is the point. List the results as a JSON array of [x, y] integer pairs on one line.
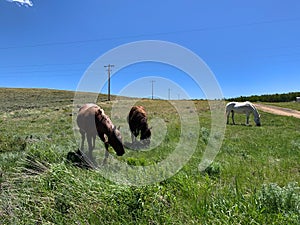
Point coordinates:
[[253, 180], [289, 105]]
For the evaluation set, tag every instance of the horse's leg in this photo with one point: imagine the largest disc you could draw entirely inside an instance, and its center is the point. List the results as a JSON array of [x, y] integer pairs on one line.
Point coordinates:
[[102, 137], [105, 157], [132, 138], [90, 144], [134, 134], [227, 114], [247, 118], [82, 139], [232, 116], [94, 141], [106, 153]]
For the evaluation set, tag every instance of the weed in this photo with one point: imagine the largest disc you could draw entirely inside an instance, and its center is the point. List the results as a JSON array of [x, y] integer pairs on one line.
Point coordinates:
[[136, 162], [213, 170], [12, 143], [275, 199], [204, 134]]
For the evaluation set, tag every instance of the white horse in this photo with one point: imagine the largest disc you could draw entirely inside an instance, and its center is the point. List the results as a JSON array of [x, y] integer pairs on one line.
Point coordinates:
[[242, 107]]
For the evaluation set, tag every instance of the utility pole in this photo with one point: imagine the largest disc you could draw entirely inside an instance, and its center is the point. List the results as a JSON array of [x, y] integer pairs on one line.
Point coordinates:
[[169, 93], [109, 66], [152, 81]]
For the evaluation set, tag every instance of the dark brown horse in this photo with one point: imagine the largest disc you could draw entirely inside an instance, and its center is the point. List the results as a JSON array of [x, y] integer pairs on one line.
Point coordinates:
[[137, 120], [92, 121]]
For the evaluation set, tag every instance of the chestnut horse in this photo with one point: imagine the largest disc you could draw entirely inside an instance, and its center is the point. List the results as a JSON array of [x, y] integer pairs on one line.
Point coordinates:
[[137, 120], [92, 121]]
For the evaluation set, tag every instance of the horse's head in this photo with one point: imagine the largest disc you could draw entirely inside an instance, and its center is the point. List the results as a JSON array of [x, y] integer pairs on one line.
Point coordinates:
[[257, 120], [115, 140], [146, 136]]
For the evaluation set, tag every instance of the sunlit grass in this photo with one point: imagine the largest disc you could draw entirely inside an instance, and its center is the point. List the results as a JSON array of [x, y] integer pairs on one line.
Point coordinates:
[[253, 180]]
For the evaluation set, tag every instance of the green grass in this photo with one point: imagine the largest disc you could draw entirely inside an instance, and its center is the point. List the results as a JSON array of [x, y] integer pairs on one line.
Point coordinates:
[[289, 105], [253, 180]]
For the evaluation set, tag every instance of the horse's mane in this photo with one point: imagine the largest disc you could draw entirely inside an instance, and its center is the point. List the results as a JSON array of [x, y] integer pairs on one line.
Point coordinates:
[[253, 106]]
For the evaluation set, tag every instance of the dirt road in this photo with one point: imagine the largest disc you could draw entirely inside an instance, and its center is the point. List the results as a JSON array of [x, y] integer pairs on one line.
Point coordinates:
[[278, 110]]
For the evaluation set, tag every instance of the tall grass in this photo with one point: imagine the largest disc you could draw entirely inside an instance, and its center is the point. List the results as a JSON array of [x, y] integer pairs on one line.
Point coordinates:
[[253, 180]]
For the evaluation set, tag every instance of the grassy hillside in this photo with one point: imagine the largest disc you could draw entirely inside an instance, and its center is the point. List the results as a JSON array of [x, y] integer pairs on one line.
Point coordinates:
[[253, 180]]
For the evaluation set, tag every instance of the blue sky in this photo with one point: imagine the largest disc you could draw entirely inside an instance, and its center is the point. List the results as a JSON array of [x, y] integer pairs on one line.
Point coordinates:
[[252, 47]]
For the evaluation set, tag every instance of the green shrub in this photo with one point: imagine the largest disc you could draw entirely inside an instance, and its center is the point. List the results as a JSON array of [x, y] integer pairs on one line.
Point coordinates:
[[213, 170], [12, 143], [275, 199], [136, 161], [204, 134]]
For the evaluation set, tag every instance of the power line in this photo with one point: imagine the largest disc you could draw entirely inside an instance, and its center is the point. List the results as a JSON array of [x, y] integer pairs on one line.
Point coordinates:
[[41, 71], [44, 65], [152, 34]]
